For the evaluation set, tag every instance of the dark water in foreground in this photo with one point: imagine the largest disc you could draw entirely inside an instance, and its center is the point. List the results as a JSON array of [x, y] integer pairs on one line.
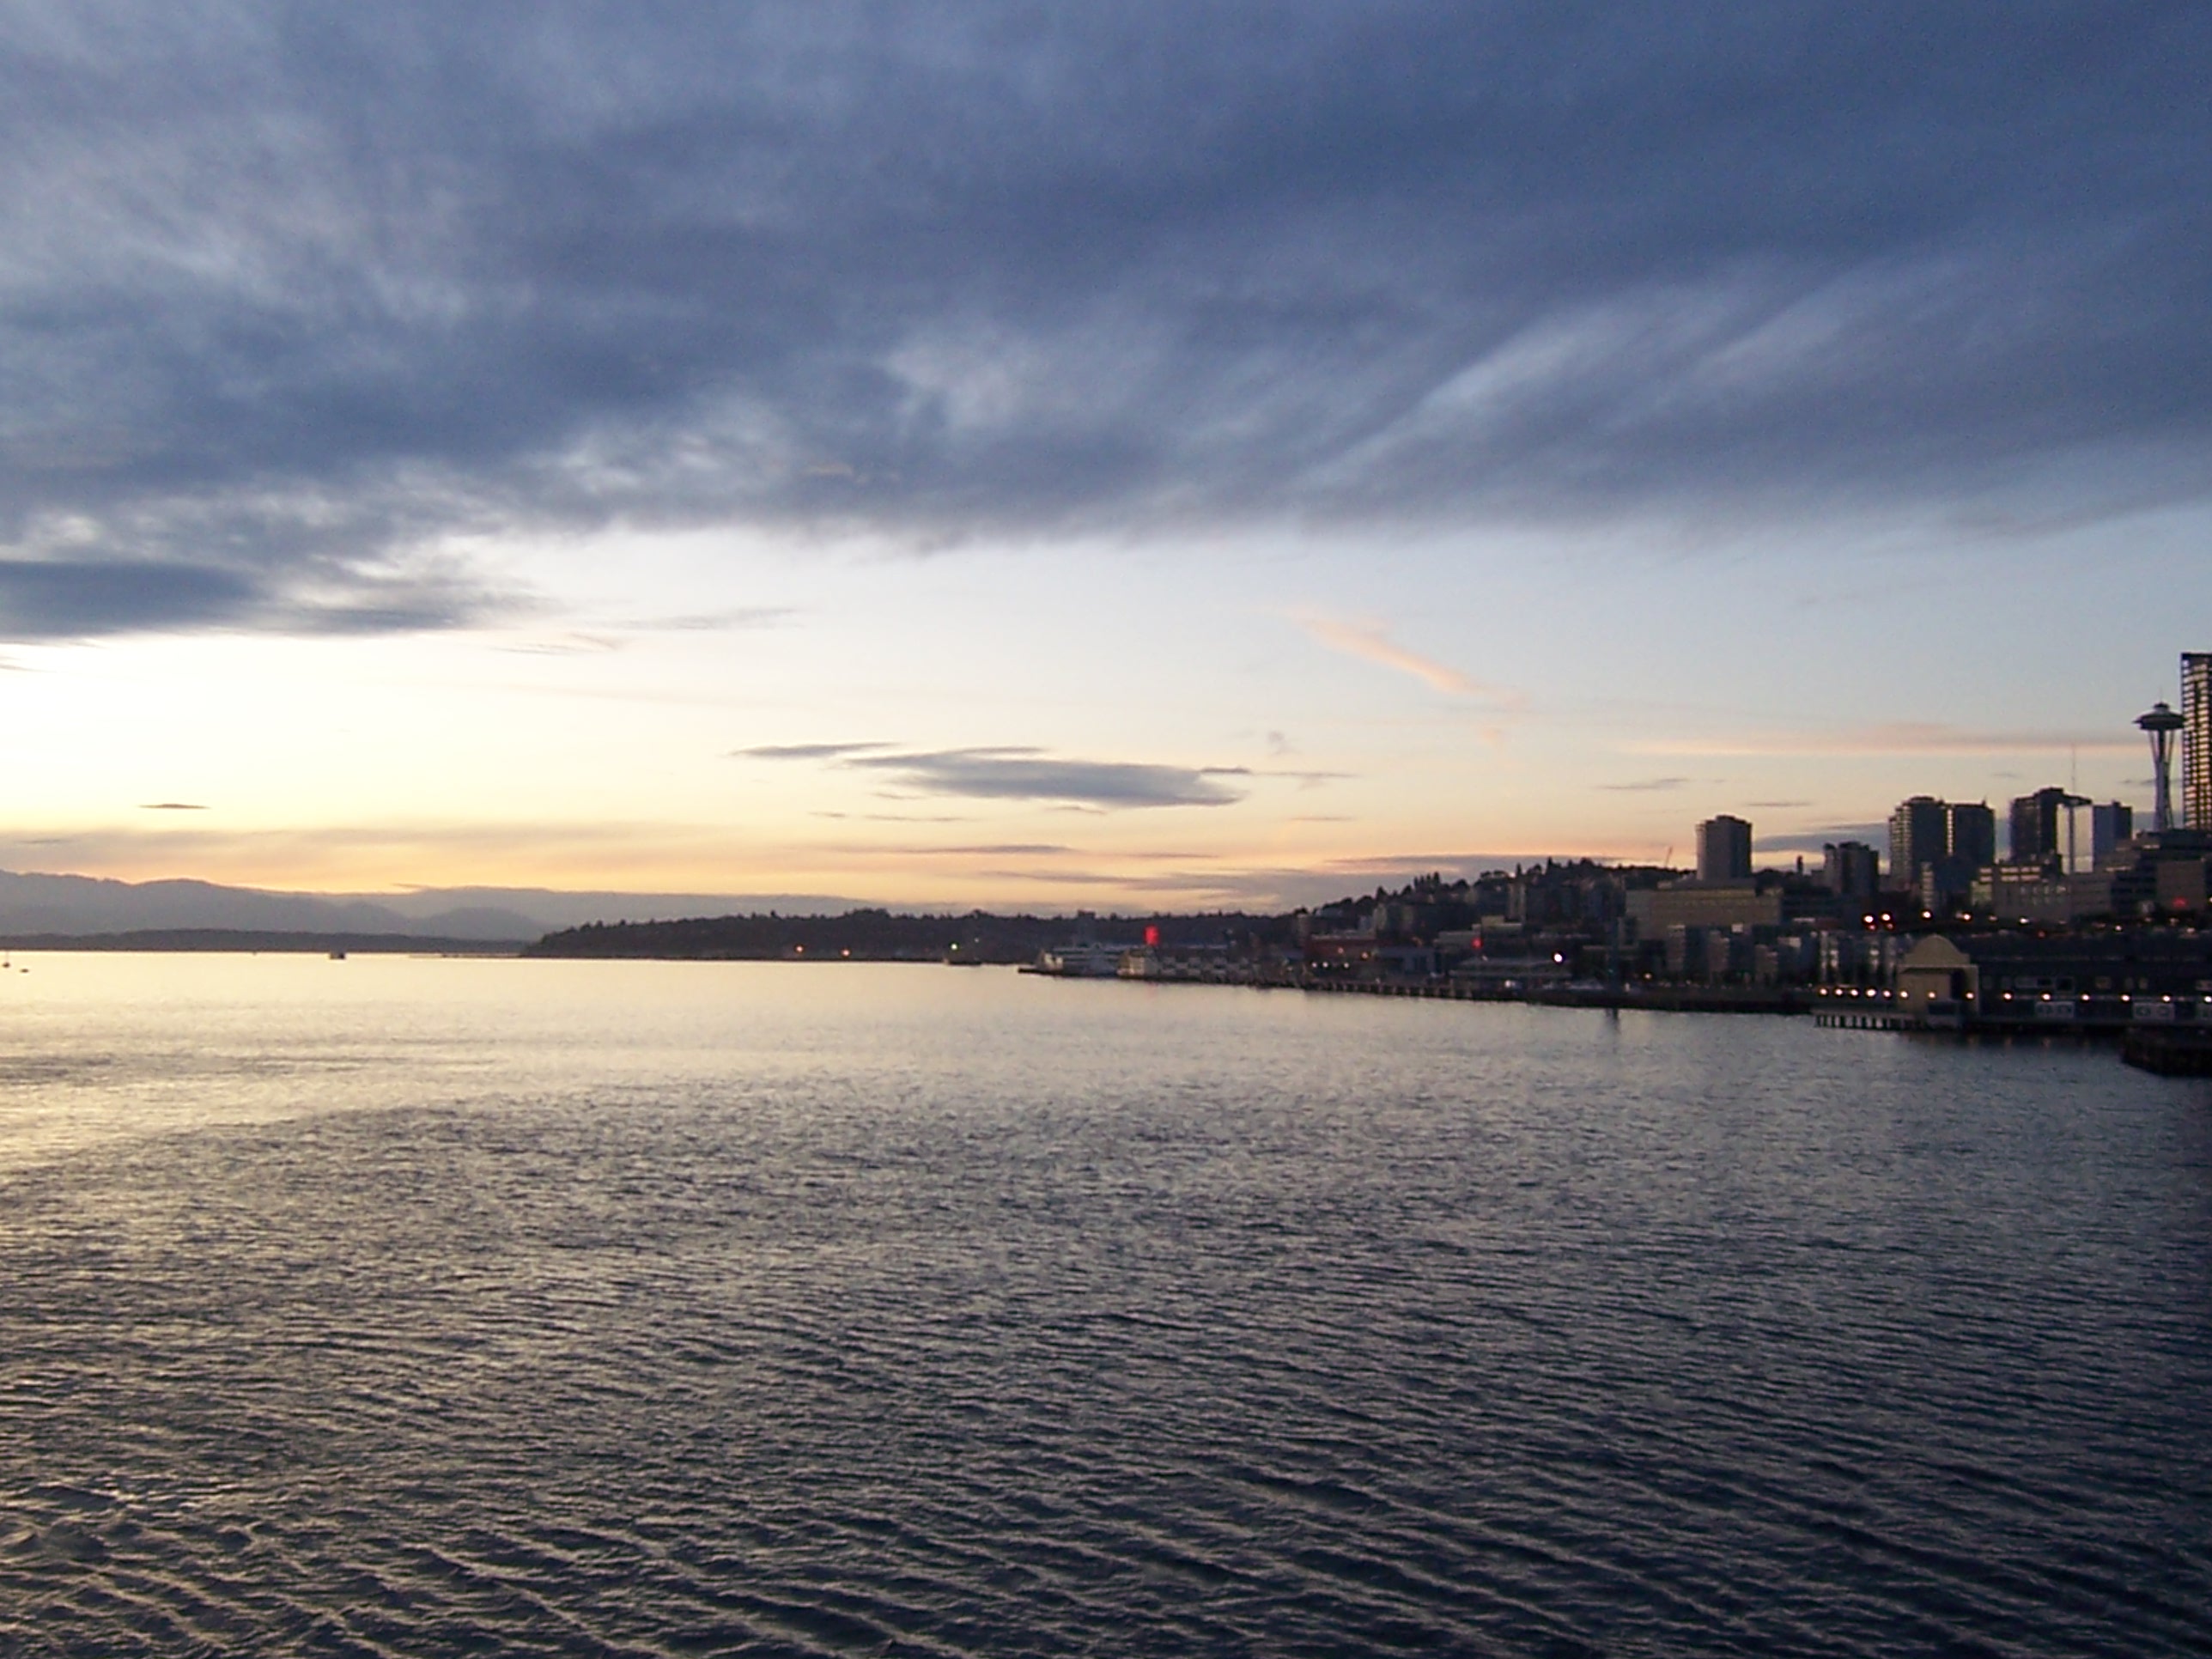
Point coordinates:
[[442, 1308]]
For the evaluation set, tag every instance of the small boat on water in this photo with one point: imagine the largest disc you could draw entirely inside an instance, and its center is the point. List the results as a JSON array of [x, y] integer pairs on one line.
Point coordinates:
[[1084, 959]]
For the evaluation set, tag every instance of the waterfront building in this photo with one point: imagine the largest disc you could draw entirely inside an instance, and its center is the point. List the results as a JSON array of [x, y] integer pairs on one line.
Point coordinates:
[[2159, 871], [1565, 894], [1946, 883], [2178, 881], [1920, 834], [1497, 975], [2037, 892], [1936, 974], [1792, 959], [1724, 849], [2196, 739], [2027, 978], [1716, 956], [1712, 955], [1859, 958], [1342, 956], [1855, 958], [1723, 905], [1198, 963]]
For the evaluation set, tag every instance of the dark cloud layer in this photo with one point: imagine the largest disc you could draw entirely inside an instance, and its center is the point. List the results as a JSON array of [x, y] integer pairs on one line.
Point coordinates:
[[291, 294]]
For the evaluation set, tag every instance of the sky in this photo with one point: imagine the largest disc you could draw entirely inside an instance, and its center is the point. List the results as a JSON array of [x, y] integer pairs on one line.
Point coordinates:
[[1043, 457]]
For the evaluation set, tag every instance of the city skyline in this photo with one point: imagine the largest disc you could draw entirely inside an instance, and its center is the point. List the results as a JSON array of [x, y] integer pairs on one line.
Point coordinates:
[[946, 456]]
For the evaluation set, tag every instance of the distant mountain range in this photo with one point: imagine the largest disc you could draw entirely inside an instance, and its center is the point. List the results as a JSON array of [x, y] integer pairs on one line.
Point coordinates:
[[86, 905]]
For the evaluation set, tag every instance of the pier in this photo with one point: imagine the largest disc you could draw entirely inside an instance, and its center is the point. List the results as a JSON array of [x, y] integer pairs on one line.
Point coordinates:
[[1852, 1010]]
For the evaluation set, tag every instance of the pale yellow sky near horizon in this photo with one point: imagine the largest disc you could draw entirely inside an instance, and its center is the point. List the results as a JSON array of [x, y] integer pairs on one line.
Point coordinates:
[[1329, 718]]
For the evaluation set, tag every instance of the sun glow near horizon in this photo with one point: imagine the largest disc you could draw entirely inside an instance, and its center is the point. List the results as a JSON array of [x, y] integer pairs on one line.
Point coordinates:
[[1034, 727]]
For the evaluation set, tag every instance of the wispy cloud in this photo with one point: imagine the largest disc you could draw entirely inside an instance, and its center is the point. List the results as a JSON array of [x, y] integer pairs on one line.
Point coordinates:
[[575, 643], [1019, 773], [805, 752], [898, 818], [1370, 642], [1058, 878], [1012, 849], [617, 635], [1895, 737], [713, 622], [1305, 778], [1642, 785], [1097, 862], [172, 806]]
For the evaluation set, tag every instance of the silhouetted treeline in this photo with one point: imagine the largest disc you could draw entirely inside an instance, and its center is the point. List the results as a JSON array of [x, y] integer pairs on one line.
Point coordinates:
[[882, 936]]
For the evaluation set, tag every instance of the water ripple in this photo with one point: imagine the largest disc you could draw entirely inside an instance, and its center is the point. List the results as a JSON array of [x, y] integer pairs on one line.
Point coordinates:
[[606, 1310]]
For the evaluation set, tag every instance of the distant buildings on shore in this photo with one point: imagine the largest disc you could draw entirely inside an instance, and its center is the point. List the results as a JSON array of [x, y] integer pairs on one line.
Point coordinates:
[[1851, 870], [2065, 857], [2065, 862], [2078, 895], [1943, 854]]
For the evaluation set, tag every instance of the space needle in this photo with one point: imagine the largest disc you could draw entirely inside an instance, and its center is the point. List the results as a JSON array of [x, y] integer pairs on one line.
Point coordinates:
[[2160, 724]]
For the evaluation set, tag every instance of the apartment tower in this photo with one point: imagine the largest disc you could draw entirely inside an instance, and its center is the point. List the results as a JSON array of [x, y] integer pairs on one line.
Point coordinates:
[[1920, 834], [1724, 849], [2196, 739]]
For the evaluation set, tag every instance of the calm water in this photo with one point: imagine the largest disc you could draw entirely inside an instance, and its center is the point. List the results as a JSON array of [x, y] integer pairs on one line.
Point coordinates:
[[416, 1307]]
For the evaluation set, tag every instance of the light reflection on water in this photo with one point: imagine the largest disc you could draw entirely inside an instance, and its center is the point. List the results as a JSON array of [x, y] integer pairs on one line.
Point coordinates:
[[419, 1306]]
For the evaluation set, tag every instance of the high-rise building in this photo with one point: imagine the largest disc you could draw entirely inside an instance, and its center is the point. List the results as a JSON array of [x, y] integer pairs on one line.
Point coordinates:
[[2111, 822], [1724, 849], [2035, 829], [1920, 834], [1850, 870], [2196, 739], [1973, 826]]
